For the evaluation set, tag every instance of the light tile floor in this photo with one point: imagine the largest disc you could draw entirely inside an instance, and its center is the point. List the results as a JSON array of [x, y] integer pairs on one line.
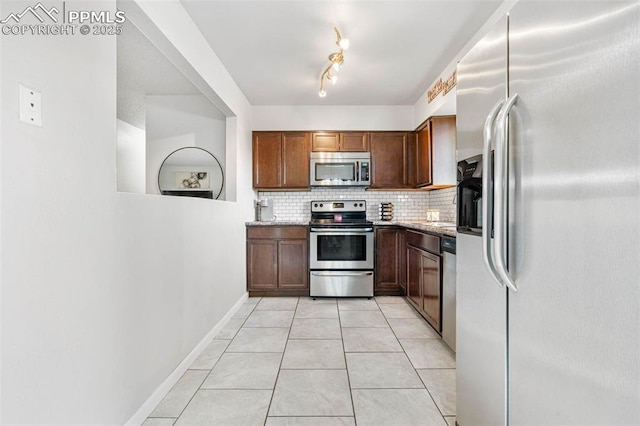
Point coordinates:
[[297, 361]]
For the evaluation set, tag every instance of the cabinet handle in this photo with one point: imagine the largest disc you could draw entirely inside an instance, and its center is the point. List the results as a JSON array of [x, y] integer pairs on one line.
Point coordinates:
[[487, 192], [501, 187], [341, 274]]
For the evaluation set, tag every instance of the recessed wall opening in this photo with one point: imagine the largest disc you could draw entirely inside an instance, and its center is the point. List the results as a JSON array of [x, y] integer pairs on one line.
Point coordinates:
[[162, 108]]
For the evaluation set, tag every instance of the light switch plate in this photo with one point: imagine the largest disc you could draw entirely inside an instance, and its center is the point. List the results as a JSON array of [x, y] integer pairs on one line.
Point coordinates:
[[30, 106]]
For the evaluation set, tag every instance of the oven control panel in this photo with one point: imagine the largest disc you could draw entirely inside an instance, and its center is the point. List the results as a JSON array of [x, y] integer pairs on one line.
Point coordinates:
[[339, 206]]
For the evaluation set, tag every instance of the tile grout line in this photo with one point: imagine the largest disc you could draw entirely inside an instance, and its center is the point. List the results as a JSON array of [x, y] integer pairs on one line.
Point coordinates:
[[346, 366], [216, 363], [413, 366], [286, 343]]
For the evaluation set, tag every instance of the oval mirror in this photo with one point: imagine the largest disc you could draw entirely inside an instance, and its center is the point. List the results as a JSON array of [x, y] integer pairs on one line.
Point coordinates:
[[191, 172]]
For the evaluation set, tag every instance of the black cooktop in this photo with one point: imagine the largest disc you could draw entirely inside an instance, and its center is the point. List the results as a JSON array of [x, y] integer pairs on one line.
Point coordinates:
[[342, 213], [332, 222]]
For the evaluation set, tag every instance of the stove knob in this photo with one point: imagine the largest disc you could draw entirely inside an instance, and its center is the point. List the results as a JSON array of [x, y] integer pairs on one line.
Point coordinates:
[[360, 204], [355, 204], [321, 205]]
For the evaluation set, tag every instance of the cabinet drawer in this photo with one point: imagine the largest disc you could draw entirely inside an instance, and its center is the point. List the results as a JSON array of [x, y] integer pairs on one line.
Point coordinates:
[[430, 243], [277, 232]]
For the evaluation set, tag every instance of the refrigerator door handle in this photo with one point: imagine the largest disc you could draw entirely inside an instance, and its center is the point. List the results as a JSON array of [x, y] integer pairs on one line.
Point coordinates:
[[501, 187], [487, 193]]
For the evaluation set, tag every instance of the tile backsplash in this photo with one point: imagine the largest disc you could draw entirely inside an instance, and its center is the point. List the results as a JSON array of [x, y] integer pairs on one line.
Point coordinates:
[[407, 205]]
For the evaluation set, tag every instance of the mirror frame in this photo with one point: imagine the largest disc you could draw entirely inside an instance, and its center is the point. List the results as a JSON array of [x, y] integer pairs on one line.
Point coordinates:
[[177, 190]]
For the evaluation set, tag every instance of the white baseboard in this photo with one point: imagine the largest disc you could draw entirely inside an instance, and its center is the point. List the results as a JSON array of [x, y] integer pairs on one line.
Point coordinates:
[[152, 402]]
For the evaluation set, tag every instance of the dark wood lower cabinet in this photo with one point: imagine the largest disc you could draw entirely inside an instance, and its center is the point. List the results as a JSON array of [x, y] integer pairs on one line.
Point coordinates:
[[262, 265], [431, 290], [390, 261], [293, 273], [424, 277], [277, 261], [414, 270]]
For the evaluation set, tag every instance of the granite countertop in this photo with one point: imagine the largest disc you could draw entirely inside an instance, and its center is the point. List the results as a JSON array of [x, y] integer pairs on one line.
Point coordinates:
[[279, 223], [419, 226]]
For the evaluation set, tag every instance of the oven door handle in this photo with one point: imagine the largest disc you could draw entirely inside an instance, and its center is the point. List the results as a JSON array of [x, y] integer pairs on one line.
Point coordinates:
[[340, 231], [341, 274]]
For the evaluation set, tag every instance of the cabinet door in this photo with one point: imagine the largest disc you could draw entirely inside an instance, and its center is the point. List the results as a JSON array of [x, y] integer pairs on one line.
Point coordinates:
[[293, 272], [423, 156], [414, 272], [389, 267], [443, 151], [262, 272], [267, 159], [325, 141], [431, 289], [295, 160], [389, 158], [354, 142]]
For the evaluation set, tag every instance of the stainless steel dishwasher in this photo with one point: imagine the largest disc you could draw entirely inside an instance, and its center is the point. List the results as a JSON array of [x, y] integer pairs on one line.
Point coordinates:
[[448, 246]]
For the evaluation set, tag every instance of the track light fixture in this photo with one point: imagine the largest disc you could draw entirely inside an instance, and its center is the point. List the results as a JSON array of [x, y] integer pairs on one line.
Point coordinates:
[[336, 59]]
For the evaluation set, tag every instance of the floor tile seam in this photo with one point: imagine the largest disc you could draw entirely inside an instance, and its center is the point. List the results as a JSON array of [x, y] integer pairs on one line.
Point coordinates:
[[192, 396], [239, 328], [314, 338], [344, 354], [390, 388], [360, 310], [365, 326], [312, 416], [314, 369], [237, 389], [268, 326], [432, 398], [315, 317], [437, 368], [275, 384], [427, 387], [399, 343], [274, 310]]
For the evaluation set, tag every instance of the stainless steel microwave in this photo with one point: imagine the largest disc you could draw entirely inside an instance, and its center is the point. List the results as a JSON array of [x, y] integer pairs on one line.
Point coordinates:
[[340, 169]]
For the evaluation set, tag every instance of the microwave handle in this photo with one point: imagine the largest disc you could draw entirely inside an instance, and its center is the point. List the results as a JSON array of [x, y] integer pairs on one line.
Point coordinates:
[[357, 174]]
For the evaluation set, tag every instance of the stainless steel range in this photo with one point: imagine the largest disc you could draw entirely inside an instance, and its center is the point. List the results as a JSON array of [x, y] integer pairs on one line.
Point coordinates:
[[341, 249]]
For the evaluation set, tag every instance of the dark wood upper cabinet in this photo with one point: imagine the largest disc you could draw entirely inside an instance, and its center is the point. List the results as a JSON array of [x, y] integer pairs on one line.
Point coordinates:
[[390, 157], [399, 160], [295, 160], [267, 159], [281, 160], [436, 153], [325, 141], [354, 141], [423, 156], [340, 141]]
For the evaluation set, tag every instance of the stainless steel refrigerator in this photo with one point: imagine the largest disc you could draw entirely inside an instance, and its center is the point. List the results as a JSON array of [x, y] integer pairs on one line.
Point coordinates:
[[548, 256]]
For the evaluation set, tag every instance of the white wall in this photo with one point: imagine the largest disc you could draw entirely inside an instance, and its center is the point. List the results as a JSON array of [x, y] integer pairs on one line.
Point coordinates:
[[174, 122], [446, 104], [386, 117], [103, 293], [130, 158]]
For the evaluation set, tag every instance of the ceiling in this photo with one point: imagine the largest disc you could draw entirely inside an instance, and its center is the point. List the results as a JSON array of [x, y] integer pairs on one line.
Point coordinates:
[[145, 71], [276, 50]]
